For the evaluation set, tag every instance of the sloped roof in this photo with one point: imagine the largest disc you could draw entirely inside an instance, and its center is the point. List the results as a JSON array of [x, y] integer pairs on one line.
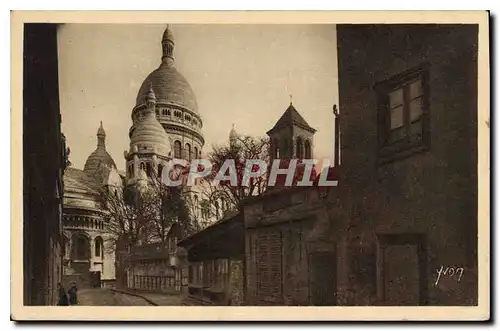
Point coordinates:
[[231, 217], [78, 181], [291, 116], [81, 191]]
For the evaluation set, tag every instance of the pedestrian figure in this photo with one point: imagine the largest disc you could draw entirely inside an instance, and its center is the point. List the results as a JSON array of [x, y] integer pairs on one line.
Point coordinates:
[[72, 292], [63, 297]]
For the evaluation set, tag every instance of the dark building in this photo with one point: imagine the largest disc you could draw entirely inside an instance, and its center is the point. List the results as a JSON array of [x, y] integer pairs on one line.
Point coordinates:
[[216, 263], [44, 159], [408, 117]]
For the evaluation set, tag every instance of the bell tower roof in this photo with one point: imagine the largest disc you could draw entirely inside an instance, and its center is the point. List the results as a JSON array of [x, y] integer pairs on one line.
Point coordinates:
[[289, 118]]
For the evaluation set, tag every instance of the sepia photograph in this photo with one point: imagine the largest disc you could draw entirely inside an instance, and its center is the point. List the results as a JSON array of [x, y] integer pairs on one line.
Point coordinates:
[[250, 162]]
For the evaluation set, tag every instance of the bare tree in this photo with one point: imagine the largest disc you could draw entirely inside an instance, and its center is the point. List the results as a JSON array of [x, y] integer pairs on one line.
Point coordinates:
[[242, 149], [125, 214], [127, 217]]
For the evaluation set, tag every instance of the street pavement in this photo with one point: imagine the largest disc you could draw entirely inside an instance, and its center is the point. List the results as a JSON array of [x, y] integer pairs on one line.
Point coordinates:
[[105, 297], [164, 299]]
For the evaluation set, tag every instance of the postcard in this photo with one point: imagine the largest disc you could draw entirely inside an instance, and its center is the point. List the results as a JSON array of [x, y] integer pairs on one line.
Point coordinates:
[[250, 166]]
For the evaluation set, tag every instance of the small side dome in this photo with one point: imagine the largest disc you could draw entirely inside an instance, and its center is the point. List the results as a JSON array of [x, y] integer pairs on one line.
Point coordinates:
[[149, 135], [99, 155]]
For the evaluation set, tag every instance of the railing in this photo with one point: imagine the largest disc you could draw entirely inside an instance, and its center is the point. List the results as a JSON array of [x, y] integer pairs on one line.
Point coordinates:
[[156, 283]]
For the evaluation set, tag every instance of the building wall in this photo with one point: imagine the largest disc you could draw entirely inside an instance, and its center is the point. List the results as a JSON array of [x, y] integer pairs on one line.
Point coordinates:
[[43, 163], [104, 264], [281, 247], [215, 282], [432, 194]]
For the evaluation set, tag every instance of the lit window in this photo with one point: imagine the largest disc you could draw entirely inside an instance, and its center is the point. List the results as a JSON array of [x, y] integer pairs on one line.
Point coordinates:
[[403, 106]]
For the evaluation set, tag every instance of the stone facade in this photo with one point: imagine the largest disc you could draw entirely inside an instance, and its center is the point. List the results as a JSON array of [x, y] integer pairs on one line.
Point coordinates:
[[44, 160], [175, 110], [88, 252]]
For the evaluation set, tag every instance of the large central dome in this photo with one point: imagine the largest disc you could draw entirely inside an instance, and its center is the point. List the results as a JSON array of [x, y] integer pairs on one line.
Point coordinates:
[[170, 87], [168, 83]]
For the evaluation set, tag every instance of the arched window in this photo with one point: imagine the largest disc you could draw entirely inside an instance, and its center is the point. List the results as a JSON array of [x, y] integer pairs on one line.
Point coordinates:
[[307, 149], [149, 169], [177, 149], [131, 170], [98, 246], [195, 152], [188, 152], [81, 247], [143, 166], [299, 150]]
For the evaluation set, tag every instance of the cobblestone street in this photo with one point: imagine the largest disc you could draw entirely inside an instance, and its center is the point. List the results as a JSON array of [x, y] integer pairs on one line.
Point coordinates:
[[104, 297]]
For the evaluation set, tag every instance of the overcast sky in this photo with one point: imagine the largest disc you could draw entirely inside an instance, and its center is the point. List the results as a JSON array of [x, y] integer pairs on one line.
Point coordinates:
[[241, 74]]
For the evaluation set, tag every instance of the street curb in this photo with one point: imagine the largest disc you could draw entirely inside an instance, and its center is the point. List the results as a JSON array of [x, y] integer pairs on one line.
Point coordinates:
[[135, 295]]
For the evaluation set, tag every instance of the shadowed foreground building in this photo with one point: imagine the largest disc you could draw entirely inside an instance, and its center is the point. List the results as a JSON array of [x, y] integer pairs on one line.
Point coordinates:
[[44, 160], [408, 101]]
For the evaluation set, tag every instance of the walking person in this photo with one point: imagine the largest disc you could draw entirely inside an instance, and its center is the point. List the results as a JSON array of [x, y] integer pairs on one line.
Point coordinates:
[[73, 294], [63, 297]]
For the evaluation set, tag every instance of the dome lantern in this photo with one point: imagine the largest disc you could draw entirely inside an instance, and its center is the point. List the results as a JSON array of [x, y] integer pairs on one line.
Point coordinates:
[[167, 43], [233, 136], [101, 136]]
